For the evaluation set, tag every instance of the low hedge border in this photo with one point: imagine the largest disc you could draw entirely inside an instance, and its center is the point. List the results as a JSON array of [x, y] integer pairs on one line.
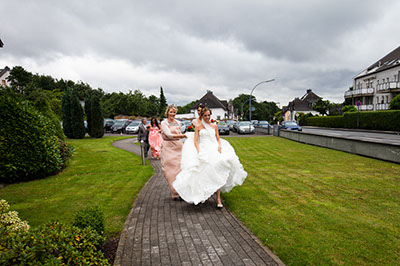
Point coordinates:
[[374, 120]]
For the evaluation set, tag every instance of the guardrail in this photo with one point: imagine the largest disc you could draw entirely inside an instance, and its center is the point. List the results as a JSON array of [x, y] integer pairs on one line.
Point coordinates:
[[383, 151]]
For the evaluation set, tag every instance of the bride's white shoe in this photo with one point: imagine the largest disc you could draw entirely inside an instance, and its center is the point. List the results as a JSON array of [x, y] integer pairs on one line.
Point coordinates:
[[219, 205]]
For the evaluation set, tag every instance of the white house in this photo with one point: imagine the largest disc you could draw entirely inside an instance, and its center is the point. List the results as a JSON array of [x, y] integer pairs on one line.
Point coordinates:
[[219, 109], [4, 73], [377, 85]]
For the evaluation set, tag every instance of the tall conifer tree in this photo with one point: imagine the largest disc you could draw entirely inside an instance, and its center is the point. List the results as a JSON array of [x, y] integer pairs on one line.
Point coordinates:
[[97, 123], [163, 102]]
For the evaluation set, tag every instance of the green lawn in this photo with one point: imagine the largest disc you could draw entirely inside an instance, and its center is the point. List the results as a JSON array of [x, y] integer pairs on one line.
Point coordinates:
[[315, 206], [98, 174]]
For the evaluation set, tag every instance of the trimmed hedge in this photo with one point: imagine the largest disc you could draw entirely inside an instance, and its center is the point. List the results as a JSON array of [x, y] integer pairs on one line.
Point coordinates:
[[378, 120], [374, 120], [326, 121], [29, 146]]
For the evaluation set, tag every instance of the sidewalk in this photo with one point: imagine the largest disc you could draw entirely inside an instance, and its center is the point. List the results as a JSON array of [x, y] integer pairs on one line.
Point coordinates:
[[160, 231]]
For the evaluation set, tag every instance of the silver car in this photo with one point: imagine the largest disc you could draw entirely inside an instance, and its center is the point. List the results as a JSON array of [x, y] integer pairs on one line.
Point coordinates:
[[132, 128], [245, 127]]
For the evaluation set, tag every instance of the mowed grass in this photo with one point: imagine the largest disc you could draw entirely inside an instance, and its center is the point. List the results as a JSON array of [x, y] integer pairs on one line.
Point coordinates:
[[316, 206], [98, 175]]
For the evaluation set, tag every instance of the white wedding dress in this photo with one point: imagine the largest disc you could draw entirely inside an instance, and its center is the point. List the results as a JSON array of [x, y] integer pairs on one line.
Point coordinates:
[[203, 173]]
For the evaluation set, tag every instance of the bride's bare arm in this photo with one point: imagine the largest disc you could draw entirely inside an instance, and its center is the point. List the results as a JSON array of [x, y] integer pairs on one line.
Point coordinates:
[[217, 136], [196, 138]]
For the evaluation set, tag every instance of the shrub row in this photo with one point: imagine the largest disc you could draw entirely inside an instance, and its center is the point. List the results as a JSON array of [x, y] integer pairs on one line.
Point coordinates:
[[375, 120], [326, 121], [52, 244]]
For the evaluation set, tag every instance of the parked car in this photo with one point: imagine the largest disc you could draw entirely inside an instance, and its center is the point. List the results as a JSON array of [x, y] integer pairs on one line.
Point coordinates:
[[108, 122], [290, 125], [223, 128], [245, 127], [133, 127], [120, 126], [230, 124], [235, 126], [264, 124]]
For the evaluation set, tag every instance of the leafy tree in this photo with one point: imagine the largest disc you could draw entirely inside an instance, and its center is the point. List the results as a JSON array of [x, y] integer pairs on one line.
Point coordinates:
[[163, 102], [322, 106], [186, 108], [278, 117], [19, 78], [395, 103], [241, 103], [349, 108]]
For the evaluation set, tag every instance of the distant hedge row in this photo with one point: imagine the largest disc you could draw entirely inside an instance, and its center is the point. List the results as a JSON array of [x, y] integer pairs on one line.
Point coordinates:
[[378, 120]]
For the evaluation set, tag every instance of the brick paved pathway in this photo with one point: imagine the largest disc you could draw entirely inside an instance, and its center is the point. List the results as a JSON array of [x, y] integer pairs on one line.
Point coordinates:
[[160, 231]]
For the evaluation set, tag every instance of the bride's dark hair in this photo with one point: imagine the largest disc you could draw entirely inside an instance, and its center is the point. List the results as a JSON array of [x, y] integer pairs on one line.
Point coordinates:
[[205, 109]]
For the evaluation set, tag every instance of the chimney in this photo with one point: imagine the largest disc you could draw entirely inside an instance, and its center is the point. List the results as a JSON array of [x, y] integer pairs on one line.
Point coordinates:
[[309, 91]]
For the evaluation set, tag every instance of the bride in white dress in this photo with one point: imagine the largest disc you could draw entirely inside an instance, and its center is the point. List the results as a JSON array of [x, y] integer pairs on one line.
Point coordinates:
[[208, 165]]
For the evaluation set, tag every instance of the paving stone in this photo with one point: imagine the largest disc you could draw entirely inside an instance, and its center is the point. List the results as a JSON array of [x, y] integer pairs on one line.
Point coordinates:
[[160, 231]]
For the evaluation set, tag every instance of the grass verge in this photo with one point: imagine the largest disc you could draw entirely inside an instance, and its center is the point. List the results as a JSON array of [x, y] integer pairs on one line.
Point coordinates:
[[98, 175], [316, 206]]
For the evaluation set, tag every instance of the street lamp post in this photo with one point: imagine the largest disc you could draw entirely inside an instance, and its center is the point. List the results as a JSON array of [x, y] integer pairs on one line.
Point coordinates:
[[265, 81], [241, 109]]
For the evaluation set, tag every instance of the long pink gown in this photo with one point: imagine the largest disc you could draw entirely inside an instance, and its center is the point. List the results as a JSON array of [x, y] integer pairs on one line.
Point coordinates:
[[171, 150], [155, 141]]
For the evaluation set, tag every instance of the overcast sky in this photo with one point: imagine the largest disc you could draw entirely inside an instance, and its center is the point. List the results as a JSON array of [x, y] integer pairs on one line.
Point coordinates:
[[189, 47]]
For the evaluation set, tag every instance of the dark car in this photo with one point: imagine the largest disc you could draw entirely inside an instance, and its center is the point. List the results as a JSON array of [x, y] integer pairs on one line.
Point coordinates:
[[108, 124], [223, 128], [119, 126], [264, 124], [230, 124], [290, 125], [235, 126]]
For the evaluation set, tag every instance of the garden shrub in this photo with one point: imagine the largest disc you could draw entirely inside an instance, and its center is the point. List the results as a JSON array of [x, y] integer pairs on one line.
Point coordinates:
[[29, 146], [326, 121], [377, 120], [90, 217], [9, 221], [52, 244]]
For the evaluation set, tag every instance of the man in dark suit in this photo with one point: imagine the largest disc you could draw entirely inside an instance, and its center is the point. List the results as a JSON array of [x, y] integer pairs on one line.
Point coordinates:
[[143, 135]]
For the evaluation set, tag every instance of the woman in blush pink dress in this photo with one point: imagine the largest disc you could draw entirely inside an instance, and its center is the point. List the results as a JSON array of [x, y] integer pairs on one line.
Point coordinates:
[[155, 138], [171, 147]]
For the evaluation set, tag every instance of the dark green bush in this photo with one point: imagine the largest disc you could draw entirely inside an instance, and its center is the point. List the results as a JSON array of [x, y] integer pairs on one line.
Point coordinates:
[[326, 121], [303, 118], [52, 244], [29, 146], [378, 120], [90, 217]]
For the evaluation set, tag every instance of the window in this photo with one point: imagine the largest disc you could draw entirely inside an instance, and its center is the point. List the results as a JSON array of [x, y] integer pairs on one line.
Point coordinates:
[[218, 117], [3, 82], [387, 99], [377, 99], [383, 100]]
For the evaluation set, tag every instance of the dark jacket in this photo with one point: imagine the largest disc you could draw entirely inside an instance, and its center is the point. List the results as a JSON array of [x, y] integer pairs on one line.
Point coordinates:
[[143, 134]]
